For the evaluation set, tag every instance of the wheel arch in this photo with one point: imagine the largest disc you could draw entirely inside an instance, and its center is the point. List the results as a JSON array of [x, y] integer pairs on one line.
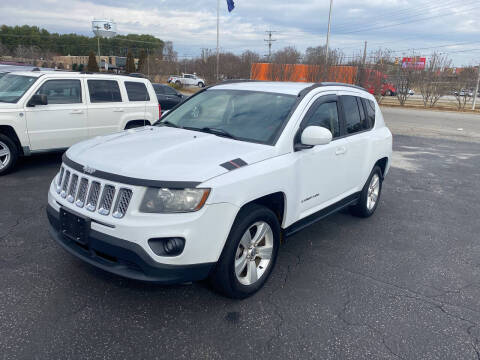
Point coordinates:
[[10, 132], [383, 164], [137, 122], [275, 201]]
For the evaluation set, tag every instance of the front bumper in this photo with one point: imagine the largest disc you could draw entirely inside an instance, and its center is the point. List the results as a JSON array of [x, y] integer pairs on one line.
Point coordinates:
[[125, 258]]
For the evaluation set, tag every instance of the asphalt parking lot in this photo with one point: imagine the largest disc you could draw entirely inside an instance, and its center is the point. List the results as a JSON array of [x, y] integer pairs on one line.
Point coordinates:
[[402, 284]]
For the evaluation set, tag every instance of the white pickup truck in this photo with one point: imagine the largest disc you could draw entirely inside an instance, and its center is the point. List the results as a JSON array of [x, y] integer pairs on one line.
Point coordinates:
[[187, 79]]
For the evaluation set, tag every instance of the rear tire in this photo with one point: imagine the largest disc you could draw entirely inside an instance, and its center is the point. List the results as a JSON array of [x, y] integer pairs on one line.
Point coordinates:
[[201, 85], [8, 154], [370, 195], [250, 253]]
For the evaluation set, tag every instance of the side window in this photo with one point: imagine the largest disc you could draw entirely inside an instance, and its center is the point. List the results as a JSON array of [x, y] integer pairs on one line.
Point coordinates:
[[326, 115], [61, 91], [370, 106], [104, 91], [363, 116], [170, 91], [353, 121], [136, 91]]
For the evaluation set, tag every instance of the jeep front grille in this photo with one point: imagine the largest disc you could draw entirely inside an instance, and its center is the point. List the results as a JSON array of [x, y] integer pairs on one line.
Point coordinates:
[[89, 192]]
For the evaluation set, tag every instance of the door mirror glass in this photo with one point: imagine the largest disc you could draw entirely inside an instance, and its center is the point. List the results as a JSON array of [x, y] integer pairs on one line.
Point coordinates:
[[38, 99], [316, 135]]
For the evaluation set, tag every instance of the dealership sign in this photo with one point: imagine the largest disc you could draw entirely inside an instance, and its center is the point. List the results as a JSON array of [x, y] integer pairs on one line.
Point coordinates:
[[417, 63]]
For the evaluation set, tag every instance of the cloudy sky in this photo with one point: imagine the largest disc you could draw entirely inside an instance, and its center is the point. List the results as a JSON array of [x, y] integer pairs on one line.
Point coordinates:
[[400, 25]]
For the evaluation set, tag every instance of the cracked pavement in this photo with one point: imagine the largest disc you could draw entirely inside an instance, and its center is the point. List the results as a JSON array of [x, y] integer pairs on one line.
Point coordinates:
[[404, 284]]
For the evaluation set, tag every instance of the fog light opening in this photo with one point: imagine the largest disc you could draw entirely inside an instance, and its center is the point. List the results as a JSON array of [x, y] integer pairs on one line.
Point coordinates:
[[167, 246]]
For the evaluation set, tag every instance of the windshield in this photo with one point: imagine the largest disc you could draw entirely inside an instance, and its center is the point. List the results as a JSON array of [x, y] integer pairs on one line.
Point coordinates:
[[12, 87], [242, 115]]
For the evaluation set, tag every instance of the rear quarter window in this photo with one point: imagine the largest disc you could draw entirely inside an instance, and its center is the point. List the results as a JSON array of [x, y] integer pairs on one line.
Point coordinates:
[[104, 91], [136, 91], [370, 106]]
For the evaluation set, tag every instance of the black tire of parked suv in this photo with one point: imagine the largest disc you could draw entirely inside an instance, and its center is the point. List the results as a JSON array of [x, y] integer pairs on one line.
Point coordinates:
[[223, 277], [201, 84], [361, 209], [13, 154]]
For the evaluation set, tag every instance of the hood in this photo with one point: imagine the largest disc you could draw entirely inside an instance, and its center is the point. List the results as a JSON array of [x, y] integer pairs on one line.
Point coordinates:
[[166, 154], [8, 107]]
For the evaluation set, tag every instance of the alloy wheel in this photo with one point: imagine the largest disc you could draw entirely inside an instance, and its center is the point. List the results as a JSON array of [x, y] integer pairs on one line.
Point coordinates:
[[5, 155], [254, 253], [373, 191]]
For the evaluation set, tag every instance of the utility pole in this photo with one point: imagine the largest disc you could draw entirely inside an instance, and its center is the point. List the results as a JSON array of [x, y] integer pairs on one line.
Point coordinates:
[[269, 42], [365, 54], [476, 89], [328, 31], [218, 38]]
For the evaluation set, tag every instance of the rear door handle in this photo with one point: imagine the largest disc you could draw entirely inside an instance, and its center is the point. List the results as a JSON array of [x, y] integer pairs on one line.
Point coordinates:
[[118, 110], [76, 112], [341, 150]]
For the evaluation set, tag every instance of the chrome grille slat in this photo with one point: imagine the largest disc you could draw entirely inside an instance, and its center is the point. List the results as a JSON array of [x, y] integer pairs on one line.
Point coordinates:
[[93, 196], [123, 200], [66, 181], [82, 192], [106, 201], [72, 190], [59, 179]]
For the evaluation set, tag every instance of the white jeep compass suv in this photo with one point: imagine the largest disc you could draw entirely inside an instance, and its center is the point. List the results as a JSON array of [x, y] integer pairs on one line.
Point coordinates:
[[50, 110], [212, 188]]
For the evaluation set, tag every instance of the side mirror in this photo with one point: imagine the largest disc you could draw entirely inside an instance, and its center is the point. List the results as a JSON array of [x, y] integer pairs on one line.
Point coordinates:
[[38, 100], [315, 135]]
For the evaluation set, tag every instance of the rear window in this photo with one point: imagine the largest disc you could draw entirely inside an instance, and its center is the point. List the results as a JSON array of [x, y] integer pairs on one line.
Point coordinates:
[[104, 91], [136, 91]]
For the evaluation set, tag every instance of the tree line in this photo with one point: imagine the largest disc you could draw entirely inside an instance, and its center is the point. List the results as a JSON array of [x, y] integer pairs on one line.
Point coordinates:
[[37, 42]]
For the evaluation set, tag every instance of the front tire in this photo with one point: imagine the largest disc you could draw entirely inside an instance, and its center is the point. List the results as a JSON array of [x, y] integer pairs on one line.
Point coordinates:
[[201, 85], [250, 253], [370, 195], [8, 154]]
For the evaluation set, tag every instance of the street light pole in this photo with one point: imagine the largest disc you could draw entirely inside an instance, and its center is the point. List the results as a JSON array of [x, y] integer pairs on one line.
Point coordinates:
[[218, 37], [328, 32]]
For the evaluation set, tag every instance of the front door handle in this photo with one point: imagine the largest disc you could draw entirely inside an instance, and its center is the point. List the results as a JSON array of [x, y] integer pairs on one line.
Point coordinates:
[[76, 112], [341, 150], [118, 110]]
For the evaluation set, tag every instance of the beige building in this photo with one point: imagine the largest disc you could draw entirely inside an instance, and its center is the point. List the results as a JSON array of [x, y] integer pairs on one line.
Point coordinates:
[[114, 62]]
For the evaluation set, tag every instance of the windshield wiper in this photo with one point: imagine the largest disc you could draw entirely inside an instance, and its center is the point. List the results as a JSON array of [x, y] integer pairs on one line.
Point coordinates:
[[215, 131]]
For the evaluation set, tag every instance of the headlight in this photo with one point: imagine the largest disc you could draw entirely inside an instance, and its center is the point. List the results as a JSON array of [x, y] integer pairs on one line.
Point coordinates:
[[173, 200]]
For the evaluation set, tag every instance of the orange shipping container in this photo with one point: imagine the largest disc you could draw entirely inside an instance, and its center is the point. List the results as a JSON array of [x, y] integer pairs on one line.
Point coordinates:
[[303, 73]]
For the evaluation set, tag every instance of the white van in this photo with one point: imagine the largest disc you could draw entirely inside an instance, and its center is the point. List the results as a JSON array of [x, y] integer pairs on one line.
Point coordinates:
[[45, 111]]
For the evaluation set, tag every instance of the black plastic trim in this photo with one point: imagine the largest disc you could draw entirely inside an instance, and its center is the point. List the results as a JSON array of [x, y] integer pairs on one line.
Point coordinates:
[[125, 258], [319, 215], [129, 180]]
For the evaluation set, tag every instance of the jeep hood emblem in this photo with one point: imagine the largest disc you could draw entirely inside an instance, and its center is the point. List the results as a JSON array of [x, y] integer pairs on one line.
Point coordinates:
[[87, 169]]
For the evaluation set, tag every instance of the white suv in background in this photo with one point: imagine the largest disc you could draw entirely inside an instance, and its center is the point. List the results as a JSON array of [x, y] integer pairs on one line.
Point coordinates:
[[45, 111], [187, 79], [212, 188]]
